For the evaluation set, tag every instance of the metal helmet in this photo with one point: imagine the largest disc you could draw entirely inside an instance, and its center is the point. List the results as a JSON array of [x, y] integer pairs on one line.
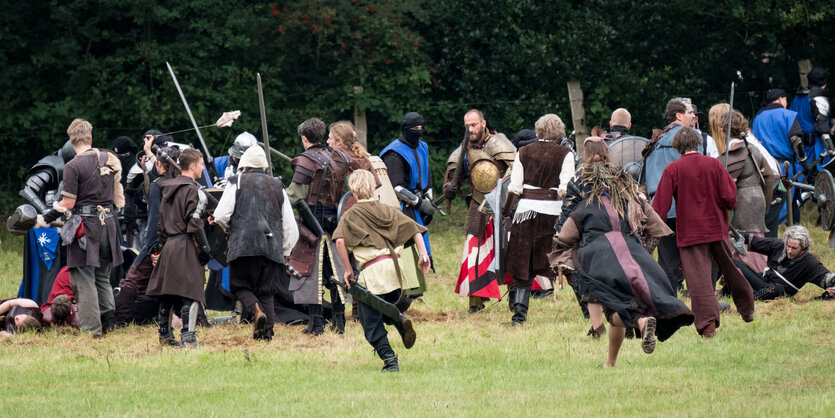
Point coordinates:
[[67, 152], [242, 143]]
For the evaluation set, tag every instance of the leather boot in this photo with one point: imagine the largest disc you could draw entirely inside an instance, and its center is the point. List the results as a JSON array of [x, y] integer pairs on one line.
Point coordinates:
[[188, 338], [355, 314], [316, 324], [390, 364], [510, 295], [166, 334], [108, 322], [387, 355], [259, 322], [520, 306], [403, 303], [476, 304], [407, 331], [338, 318]]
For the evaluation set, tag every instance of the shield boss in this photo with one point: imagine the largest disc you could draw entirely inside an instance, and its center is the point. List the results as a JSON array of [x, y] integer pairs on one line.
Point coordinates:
[[484, 176]]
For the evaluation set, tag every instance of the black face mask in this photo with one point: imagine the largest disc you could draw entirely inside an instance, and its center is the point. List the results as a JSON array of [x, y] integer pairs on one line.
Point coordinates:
[[412, 136]]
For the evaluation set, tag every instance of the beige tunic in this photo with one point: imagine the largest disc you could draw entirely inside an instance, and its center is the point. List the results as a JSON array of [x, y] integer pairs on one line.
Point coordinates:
[[381, 277]]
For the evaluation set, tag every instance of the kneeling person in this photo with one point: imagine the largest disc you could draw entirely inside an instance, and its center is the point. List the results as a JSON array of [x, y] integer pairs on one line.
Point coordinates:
[[376, 234], [256, 212]]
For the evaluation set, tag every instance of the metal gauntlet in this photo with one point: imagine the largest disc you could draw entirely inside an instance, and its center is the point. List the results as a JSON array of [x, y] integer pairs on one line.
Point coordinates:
[[202, 202]]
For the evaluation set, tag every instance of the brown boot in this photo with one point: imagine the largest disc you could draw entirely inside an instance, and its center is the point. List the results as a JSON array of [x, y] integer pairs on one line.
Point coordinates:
[[598, 332], [259, 321], [709, 332]]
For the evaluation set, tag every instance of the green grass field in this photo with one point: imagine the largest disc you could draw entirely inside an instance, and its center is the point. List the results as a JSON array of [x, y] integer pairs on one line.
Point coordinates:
[[474, 365]]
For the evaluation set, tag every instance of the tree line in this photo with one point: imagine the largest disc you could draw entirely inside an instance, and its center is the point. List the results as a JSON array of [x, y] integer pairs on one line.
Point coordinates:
[[104, 60]]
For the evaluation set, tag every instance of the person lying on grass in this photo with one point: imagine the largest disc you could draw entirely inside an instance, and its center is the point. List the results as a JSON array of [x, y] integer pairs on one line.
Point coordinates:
[[20, 314], [376, 234], [790, 265]]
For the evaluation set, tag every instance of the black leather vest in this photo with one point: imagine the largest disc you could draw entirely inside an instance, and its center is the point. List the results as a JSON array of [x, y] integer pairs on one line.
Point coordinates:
[[255, 228]]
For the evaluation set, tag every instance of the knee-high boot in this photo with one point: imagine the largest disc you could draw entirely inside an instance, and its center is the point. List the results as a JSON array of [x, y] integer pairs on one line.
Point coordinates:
[[520, 306], [316, 324], [187, 336], [338, 313], [166, 334]]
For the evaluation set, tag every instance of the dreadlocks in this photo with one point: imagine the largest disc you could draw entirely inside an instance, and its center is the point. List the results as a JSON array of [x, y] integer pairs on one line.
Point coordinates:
[[612, 180]]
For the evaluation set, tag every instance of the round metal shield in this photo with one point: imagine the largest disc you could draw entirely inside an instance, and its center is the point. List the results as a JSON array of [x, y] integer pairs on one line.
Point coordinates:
[[626, 151], [825, 194], [345, 203], [484, 176]]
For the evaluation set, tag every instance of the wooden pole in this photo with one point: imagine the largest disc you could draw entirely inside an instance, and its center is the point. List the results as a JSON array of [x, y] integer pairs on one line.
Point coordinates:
[[578, 114], [804, 66], [360, 123]]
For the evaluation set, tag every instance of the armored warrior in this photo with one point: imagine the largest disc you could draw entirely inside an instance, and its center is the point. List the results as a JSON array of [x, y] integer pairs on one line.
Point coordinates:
[[814, 113], [540, 175], [317, 185], [41, 190], [407, 160], [256, 212], [91, 193], [226, 166], [343, 137], [483, 158], [779, 131], [754, 180], [178, 276]]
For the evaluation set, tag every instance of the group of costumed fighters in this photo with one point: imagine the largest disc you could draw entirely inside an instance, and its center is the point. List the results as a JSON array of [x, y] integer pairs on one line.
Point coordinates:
[[359, 231]]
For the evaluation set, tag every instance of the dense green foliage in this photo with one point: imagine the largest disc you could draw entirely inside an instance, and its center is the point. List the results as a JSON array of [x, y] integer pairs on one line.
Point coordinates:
[[104, 60]]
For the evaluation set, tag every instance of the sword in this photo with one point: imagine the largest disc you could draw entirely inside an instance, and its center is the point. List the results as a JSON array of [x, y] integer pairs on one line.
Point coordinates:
[[730, 117], [781, 277], [264, 132], [209, 158], [401, 322], [459, 169]]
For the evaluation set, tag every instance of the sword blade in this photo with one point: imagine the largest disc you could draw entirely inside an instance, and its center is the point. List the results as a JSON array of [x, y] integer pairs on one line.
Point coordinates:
[[209, 158], [730, 119], [264, 133]]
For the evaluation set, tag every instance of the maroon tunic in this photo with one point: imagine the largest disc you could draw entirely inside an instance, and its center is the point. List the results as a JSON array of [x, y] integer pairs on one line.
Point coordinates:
[[178, 271], [84, 183], [704, 194]]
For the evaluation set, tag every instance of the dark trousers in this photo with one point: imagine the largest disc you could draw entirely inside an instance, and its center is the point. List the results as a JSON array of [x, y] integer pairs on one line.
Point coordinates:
[[373, 325], [169, 302], [251, 280], [669, 258], [520, 283], [695, 260], [131, 304]]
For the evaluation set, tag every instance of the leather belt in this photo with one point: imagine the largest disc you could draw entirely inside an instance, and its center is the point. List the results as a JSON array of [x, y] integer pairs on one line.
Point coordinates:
[[375, 261], [90, 210], [540, 194]]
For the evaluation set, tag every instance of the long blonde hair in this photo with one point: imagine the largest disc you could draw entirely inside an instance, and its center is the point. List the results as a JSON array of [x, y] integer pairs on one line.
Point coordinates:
[[714, 116], [344, 133]]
